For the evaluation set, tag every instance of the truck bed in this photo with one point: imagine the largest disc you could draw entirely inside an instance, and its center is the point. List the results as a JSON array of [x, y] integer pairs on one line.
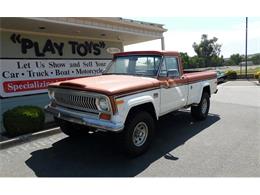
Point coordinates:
[[199, 75]]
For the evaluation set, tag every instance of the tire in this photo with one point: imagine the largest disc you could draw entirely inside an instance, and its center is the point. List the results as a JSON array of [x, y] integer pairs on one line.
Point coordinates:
[[138, 133], [200, 112], [72, 129]]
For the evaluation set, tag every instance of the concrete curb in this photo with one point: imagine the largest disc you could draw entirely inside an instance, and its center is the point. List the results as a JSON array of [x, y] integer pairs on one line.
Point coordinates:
[[28, 137]]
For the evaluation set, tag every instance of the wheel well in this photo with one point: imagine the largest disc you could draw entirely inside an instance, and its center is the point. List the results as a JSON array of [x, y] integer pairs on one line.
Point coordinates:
[[206, 89], [148, 107]]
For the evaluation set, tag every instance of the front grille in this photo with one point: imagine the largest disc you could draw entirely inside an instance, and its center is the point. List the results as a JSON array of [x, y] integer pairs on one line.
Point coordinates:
[[82, 102]]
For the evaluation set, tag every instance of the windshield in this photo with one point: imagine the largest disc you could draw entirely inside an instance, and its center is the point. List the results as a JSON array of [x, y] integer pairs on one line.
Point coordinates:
[[144, 65]]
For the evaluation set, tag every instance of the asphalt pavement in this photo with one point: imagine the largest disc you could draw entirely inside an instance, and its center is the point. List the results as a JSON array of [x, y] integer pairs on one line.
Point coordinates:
[[226, 144]]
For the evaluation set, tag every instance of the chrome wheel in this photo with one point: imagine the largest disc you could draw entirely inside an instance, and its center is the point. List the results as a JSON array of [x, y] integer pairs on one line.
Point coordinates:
[[140, 134], [204, 106]]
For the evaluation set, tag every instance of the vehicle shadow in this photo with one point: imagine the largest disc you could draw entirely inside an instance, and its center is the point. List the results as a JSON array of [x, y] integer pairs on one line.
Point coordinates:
[[101, 156]]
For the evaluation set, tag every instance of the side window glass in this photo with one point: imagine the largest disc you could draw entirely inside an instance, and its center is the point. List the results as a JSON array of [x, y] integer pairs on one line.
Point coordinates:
[[172, 66], [163, 71]]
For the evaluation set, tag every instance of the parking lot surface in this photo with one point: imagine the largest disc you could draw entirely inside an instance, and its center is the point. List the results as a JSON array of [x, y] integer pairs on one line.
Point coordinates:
[[226, 144]]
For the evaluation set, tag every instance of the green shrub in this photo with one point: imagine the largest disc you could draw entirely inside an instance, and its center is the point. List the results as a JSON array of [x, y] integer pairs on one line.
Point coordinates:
[[257, 75], [23, 119], [231, 74]]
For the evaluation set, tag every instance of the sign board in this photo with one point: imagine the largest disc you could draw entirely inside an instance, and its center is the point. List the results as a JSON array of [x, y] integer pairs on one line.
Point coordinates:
[[18, 45], [22, 77], [29, 62]]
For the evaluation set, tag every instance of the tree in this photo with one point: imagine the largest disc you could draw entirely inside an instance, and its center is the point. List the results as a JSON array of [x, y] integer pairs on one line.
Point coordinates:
[[236, 59], [229, 63], [196, 62], [208, 50], [217, 61], [256, 59], [185, 60]]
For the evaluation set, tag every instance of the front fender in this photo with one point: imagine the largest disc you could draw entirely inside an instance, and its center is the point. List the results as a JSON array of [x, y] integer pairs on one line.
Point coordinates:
[[131, 102], [140, 100]]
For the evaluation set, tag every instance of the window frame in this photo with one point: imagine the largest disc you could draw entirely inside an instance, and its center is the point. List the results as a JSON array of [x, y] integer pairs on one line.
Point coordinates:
[[164, 61], [160, 57]]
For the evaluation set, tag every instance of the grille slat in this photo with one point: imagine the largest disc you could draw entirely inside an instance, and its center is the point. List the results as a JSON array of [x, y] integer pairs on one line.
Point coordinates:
[[87, 103], [89, 100], [94, 103], [84, 102], [76, 101]]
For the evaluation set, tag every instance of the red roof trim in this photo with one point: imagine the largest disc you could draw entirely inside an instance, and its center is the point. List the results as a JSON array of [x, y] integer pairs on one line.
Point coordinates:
[[171, 53]]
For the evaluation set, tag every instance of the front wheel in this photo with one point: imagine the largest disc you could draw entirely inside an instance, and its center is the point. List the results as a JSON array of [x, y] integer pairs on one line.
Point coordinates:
[[200, 112], [138, 133]]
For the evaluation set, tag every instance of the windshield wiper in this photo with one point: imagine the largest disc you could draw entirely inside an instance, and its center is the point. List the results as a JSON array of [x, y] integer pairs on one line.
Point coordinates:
[[139, 74], [136, 74], [116, 73]]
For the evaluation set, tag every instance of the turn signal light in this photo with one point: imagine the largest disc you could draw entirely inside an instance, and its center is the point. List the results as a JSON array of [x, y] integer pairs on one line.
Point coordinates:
[[105, 116]]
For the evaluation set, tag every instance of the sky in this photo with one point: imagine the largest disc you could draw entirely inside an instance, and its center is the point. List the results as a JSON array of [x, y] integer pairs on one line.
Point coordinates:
[[184, 31]]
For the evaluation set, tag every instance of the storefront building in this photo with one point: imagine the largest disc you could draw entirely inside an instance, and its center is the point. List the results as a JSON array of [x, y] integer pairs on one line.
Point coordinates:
[[37, 51]]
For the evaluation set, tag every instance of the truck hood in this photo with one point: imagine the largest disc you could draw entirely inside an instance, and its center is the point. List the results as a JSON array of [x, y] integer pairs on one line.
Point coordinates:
[[110, 84]]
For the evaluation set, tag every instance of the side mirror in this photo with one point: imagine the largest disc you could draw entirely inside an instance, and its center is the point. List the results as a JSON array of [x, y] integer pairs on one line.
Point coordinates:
[[173, 73]]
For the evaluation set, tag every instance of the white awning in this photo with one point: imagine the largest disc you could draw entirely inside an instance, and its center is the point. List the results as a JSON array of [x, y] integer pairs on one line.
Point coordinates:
[[113, 29]]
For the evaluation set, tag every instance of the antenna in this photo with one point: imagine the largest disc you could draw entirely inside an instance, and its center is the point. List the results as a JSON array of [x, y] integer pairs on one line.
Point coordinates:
[[246, 45]]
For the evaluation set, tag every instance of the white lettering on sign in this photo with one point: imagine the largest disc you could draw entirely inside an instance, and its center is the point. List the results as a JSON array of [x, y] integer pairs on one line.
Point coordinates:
[[22, 77]]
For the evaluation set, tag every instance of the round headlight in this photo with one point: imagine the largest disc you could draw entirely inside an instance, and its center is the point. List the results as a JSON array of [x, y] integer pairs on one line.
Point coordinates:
[[103, 104]]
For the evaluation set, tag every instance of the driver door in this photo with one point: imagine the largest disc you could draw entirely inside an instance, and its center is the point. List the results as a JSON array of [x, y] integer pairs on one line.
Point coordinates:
[[174, 88]]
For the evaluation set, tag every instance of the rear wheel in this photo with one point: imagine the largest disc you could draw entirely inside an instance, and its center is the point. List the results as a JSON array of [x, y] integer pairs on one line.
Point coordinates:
[[72, 129], [200, 111], [138, 133]]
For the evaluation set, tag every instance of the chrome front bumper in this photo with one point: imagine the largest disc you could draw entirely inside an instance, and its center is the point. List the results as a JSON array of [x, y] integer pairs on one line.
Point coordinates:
[[82, 118]]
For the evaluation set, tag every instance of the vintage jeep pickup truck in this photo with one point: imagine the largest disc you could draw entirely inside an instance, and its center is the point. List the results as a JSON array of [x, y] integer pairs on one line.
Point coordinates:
[[134, 91]]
